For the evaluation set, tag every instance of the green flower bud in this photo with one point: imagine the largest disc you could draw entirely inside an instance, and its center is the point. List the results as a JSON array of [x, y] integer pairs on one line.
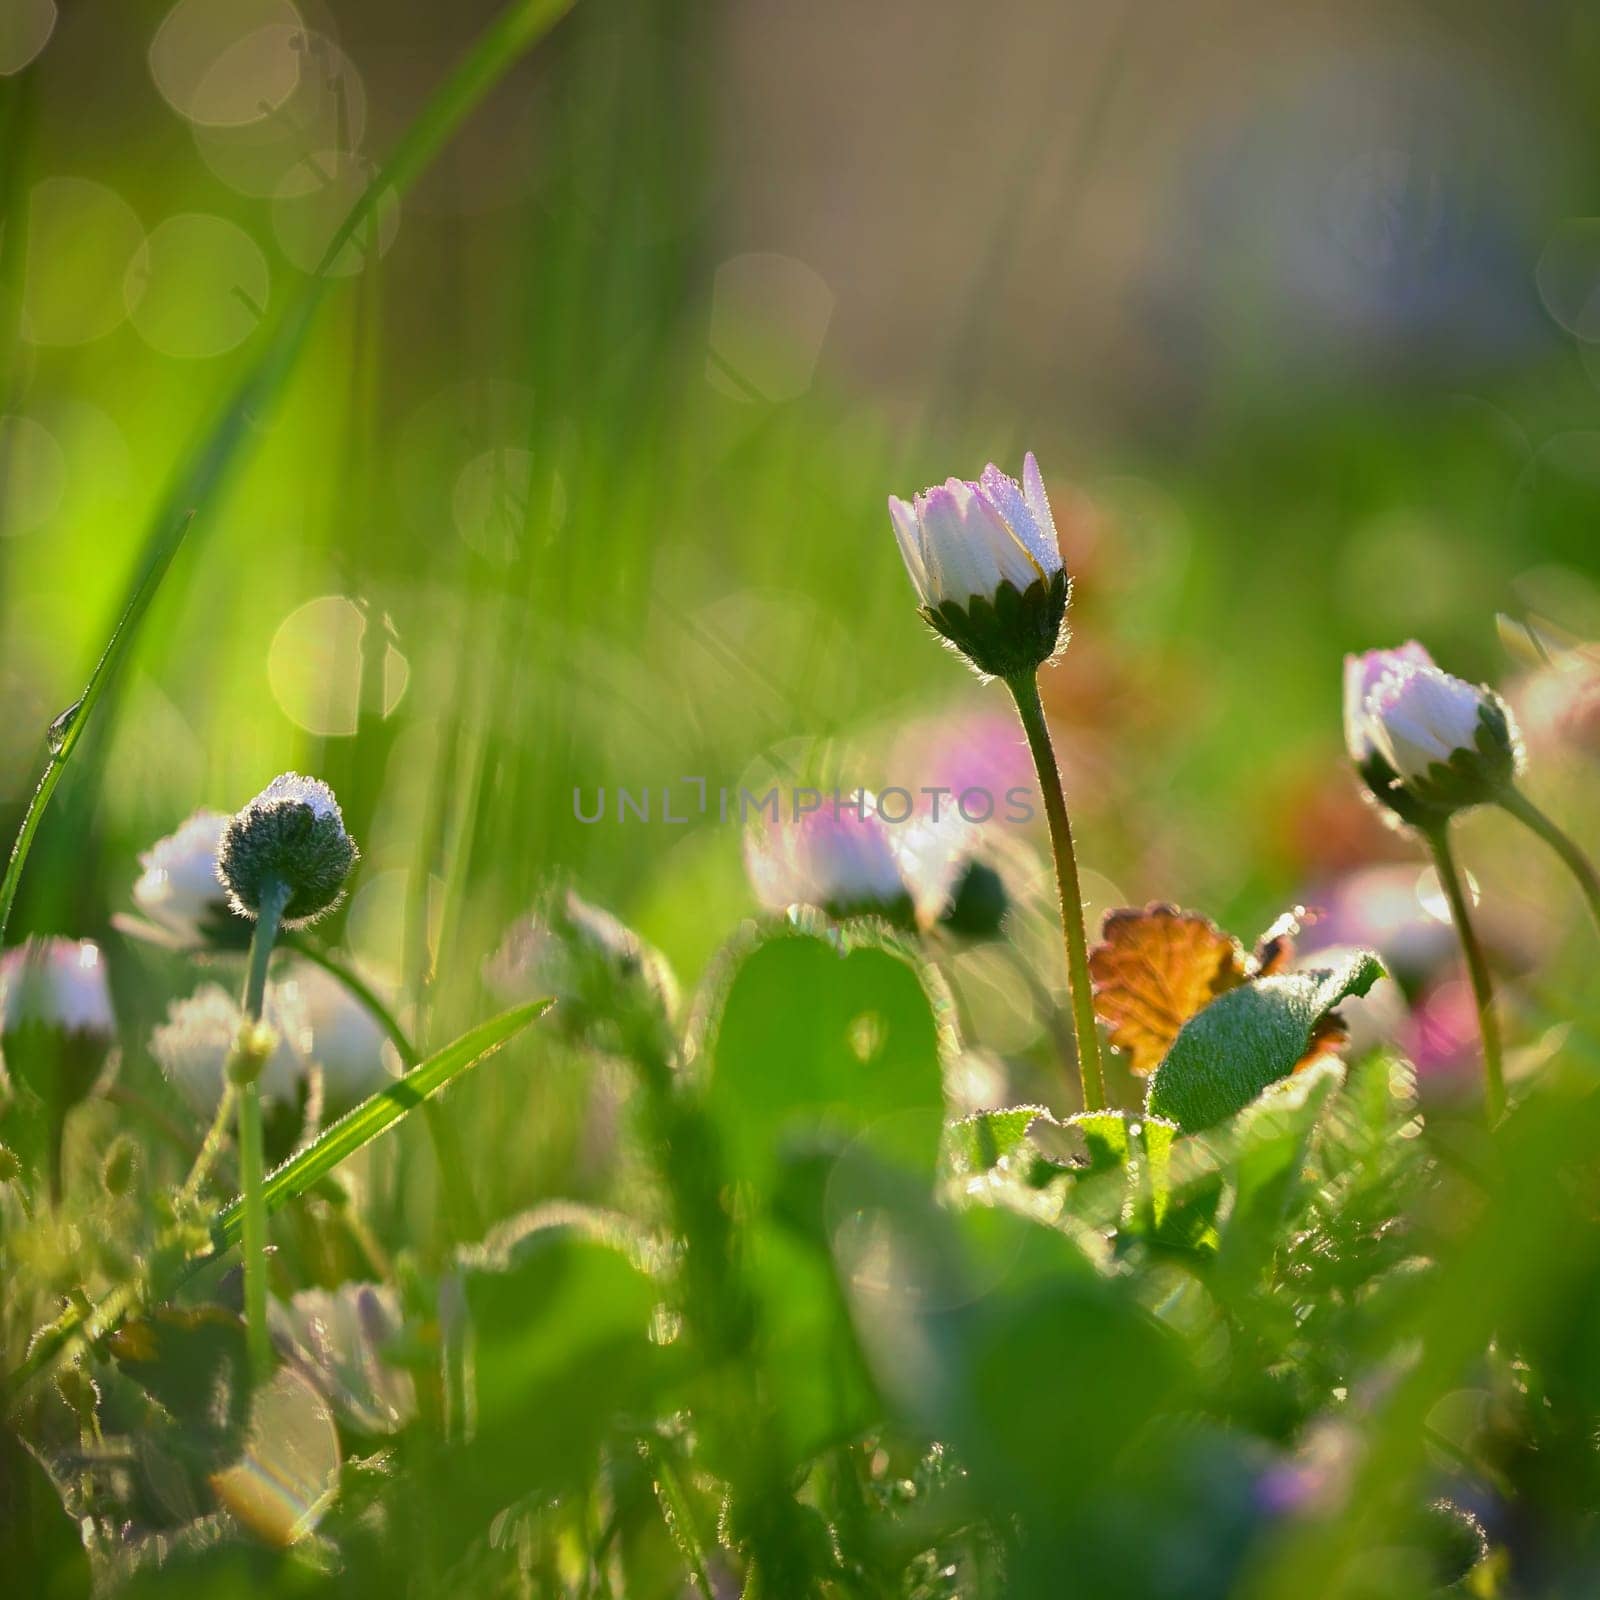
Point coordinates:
[[292, 834]]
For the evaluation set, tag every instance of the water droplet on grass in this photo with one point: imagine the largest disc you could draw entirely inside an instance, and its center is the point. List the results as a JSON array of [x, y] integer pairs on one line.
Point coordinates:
[[56, 734]]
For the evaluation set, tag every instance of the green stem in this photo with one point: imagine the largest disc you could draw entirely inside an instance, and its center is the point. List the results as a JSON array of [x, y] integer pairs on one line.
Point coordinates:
[[1025, 690], [1494, 1082], [455, 1175], [1564, 845], [252, 1163]]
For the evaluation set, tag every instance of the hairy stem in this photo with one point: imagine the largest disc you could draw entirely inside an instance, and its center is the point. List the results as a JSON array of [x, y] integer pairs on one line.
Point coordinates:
[[1494, 1082], [1025, 690], [252, 1164], [1564, 845]]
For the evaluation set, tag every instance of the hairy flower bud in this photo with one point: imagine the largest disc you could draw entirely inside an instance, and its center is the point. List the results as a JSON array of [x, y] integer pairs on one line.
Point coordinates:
[[1427, 744], [985, 562], [841, 858], [292, 834], [57, 1035]]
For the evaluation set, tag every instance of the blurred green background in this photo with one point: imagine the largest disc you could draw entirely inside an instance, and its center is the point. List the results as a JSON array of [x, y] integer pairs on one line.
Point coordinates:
[[580, 482]]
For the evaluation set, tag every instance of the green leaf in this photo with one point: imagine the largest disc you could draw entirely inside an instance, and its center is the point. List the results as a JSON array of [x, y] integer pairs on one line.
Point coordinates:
[[1270, 1138], [980, 1142], [561, 1318], [1106, 1135], [1250, 1037], [376, 1113], [1157, 1136], [824, 1033]]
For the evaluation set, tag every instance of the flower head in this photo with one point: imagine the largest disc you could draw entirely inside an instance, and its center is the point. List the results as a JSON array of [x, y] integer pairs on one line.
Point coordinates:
[[193, 1045], [59, 984], [182, 901], [986, 565], [1426, 743], [339, 1035], [291, 835], [840, 858], [57, 1028], [952, 881], [338, 1338], [1362, 675]]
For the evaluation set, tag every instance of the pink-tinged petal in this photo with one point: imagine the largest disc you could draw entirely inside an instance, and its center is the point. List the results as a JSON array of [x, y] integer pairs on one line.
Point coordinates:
[[1357, 733], [1005, 496], [908, 535], [1012, 556], [1038, 502], [959, 564]]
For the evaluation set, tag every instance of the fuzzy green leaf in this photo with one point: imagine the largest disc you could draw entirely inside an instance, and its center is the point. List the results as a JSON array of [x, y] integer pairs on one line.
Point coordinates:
[[1250, 1037], [979, 1143]]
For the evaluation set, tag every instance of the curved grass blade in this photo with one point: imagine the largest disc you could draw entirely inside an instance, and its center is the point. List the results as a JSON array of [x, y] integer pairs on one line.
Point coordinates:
[[514, 31], [376, 1113], [84, 1323]]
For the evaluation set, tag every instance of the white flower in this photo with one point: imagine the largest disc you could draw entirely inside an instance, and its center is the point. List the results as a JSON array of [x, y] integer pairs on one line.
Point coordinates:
[[337, 1338], [339, 1034], [56, 983], [183, 901], [985, 562], [1420, 716], [962, 540], [193, 1045], [1362, 675], [841, 858]]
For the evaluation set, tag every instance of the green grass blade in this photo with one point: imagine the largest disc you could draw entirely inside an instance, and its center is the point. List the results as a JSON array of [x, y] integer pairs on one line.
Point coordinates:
[[514, 31], [377, 1113]]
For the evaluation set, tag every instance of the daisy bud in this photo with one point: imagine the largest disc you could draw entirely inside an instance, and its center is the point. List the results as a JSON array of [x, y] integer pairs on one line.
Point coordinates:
[[183, 903], [841, 858], [986, 566], [955, 888], [57, 1033], [292, 834], [1426, 743], [606, 980]]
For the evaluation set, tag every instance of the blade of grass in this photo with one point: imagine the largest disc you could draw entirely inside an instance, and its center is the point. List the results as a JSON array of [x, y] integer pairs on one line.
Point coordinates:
[[514, 31], [376, 1113], [83, 1323]]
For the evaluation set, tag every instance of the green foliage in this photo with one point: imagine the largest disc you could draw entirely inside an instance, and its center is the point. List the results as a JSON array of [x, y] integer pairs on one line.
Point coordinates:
[[860, 1060], [1247, 1038]]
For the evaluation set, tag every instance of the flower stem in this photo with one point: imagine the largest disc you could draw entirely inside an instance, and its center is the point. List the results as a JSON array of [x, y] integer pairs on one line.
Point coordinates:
[[1025, 691], [252, 1164], [1564, 845], [1494, 1082]]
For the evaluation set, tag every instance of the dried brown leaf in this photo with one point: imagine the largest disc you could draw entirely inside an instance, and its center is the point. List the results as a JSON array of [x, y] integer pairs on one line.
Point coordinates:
[[1153, 970]]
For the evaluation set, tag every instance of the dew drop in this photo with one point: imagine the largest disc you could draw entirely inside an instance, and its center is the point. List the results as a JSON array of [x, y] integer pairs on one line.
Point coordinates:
[[56, 734]]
